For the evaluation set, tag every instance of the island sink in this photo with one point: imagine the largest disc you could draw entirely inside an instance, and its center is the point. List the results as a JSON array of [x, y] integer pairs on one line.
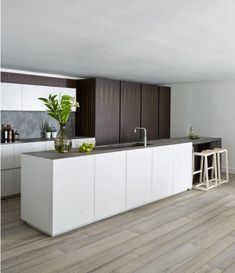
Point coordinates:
[[120, 146]]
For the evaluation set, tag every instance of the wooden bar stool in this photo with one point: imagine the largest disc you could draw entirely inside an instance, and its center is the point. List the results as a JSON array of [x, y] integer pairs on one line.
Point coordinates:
[[219, 153], [204, 182]]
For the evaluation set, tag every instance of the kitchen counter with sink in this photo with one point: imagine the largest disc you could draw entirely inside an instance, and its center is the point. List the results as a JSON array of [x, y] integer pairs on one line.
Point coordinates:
[[53, 155], [61, 192]]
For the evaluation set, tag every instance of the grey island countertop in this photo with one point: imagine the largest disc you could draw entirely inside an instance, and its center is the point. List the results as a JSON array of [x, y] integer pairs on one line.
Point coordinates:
[[54, 155]]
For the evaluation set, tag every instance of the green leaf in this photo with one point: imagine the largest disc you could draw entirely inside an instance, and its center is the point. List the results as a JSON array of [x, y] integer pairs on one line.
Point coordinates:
[[43, 99]]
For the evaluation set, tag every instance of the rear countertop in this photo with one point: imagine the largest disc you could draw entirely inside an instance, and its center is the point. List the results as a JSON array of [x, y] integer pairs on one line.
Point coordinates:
[[54, 155], [29, 140]]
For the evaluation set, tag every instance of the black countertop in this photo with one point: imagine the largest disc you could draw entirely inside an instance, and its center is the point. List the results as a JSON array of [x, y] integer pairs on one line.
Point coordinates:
[[53, 155]]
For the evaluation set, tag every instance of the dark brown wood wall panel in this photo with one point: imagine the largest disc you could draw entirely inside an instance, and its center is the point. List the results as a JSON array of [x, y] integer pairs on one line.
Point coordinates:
[[164, 111], [149, 110], [107, 111], [37, 80], [85, 115], [130, 111]]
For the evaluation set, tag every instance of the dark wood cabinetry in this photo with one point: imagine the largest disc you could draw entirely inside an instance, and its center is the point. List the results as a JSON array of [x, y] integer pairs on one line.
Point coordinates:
[[150, 110], [85, 115], [111, 109], [130, 111], [164, 111], [107, 111], [98, 114]]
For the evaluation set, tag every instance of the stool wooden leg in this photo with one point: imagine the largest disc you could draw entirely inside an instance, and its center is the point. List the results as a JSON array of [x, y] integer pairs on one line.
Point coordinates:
[[215, 168], [226, 162], [193, 167], [206, 173], [219, 168], [201, 168]]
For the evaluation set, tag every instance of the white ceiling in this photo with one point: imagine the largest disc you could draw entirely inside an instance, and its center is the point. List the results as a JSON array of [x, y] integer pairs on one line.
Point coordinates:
[[159, 41]]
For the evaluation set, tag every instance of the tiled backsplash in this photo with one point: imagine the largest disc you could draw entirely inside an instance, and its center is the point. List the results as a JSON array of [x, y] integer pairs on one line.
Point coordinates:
[[29, 124]]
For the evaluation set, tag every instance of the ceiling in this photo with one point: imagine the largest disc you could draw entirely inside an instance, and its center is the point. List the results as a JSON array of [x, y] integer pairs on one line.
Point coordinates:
[[150, 41]]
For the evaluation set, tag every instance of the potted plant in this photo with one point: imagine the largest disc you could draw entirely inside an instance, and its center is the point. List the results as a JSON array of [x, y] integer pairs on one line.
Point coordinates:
[[60, 109], [53, 132], [47, 129]]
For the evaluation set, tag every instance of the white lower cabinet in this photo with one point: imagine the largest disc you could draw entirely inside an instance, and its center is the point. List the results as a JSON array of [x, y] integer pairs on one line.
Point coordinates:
[[110, 184], [17, 181], [139, 176], [7, 156], [7, 182], [27, 148], [162, 172], [79, 141], [49, 145], [182, 172]]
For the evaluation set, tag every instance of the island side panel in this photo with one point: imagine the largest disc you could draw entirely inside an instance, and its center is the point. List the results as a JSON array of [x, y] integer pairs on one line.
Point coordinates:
[[36, 192], [73, 193], [182, 168]]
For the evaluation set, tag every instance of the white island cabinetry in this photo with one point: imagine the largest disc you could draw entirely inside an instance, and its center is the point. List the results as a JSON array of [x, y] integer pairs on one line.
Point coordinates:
[[139, 167], [162, 172], [63, 192], [110, 184], [73, 193], [182, 167]]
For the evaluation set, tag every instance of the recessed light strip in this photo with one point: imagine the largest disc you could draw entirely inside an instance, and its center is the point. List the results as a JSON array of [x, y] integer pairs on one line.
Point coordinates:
[[39, 74]]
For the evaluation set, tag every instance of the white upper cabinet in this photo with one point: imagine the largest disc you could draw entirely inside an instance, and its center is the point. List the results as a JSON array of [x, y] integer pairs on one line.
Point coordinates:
[[139, 177], [11, 96], [182, 172], [31, 93], [25, 96]]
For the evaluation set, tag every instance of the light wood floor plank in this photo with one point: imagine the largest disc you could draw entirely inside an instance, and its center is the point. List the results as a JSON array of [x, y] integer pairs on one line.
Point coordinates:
[[193, 232]]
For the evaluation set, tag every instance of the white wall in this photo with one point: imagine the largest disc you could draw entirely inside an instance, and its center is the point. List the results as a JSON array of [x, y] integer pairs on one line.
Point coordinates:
[[209, 107]]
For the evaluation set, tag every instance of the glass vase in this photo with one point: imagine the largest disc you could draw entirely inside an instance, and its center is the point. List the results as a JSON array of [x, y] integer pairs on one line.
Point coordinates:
[[63, 144]]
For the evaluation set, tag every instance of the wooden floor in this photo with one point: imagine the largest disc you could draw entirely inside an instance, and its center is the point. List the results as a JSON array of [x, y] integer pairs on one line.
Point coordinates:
[[190, 232]]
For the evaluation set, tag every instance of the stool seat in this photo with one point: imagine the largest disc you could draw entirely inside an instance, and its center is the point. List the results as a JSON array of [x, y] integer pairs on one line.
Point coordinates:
[[220, 150], [205, 153]]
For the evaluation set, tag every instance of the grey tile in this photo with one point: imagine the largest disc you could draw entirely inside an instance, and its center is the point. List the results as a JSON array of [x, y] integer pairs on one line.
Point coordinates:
[[16, 119], [29, 123]]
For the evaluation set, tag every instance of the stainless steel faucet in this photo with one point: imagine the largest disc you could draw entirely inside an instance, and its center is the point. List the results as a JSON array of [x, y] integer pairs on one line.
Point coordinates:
[[145, 134]]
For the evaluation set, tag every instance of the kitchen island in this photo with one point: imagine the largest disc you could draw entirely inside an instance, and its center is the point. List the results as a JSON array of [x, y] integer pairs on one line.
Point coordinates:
[[61, 192]]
